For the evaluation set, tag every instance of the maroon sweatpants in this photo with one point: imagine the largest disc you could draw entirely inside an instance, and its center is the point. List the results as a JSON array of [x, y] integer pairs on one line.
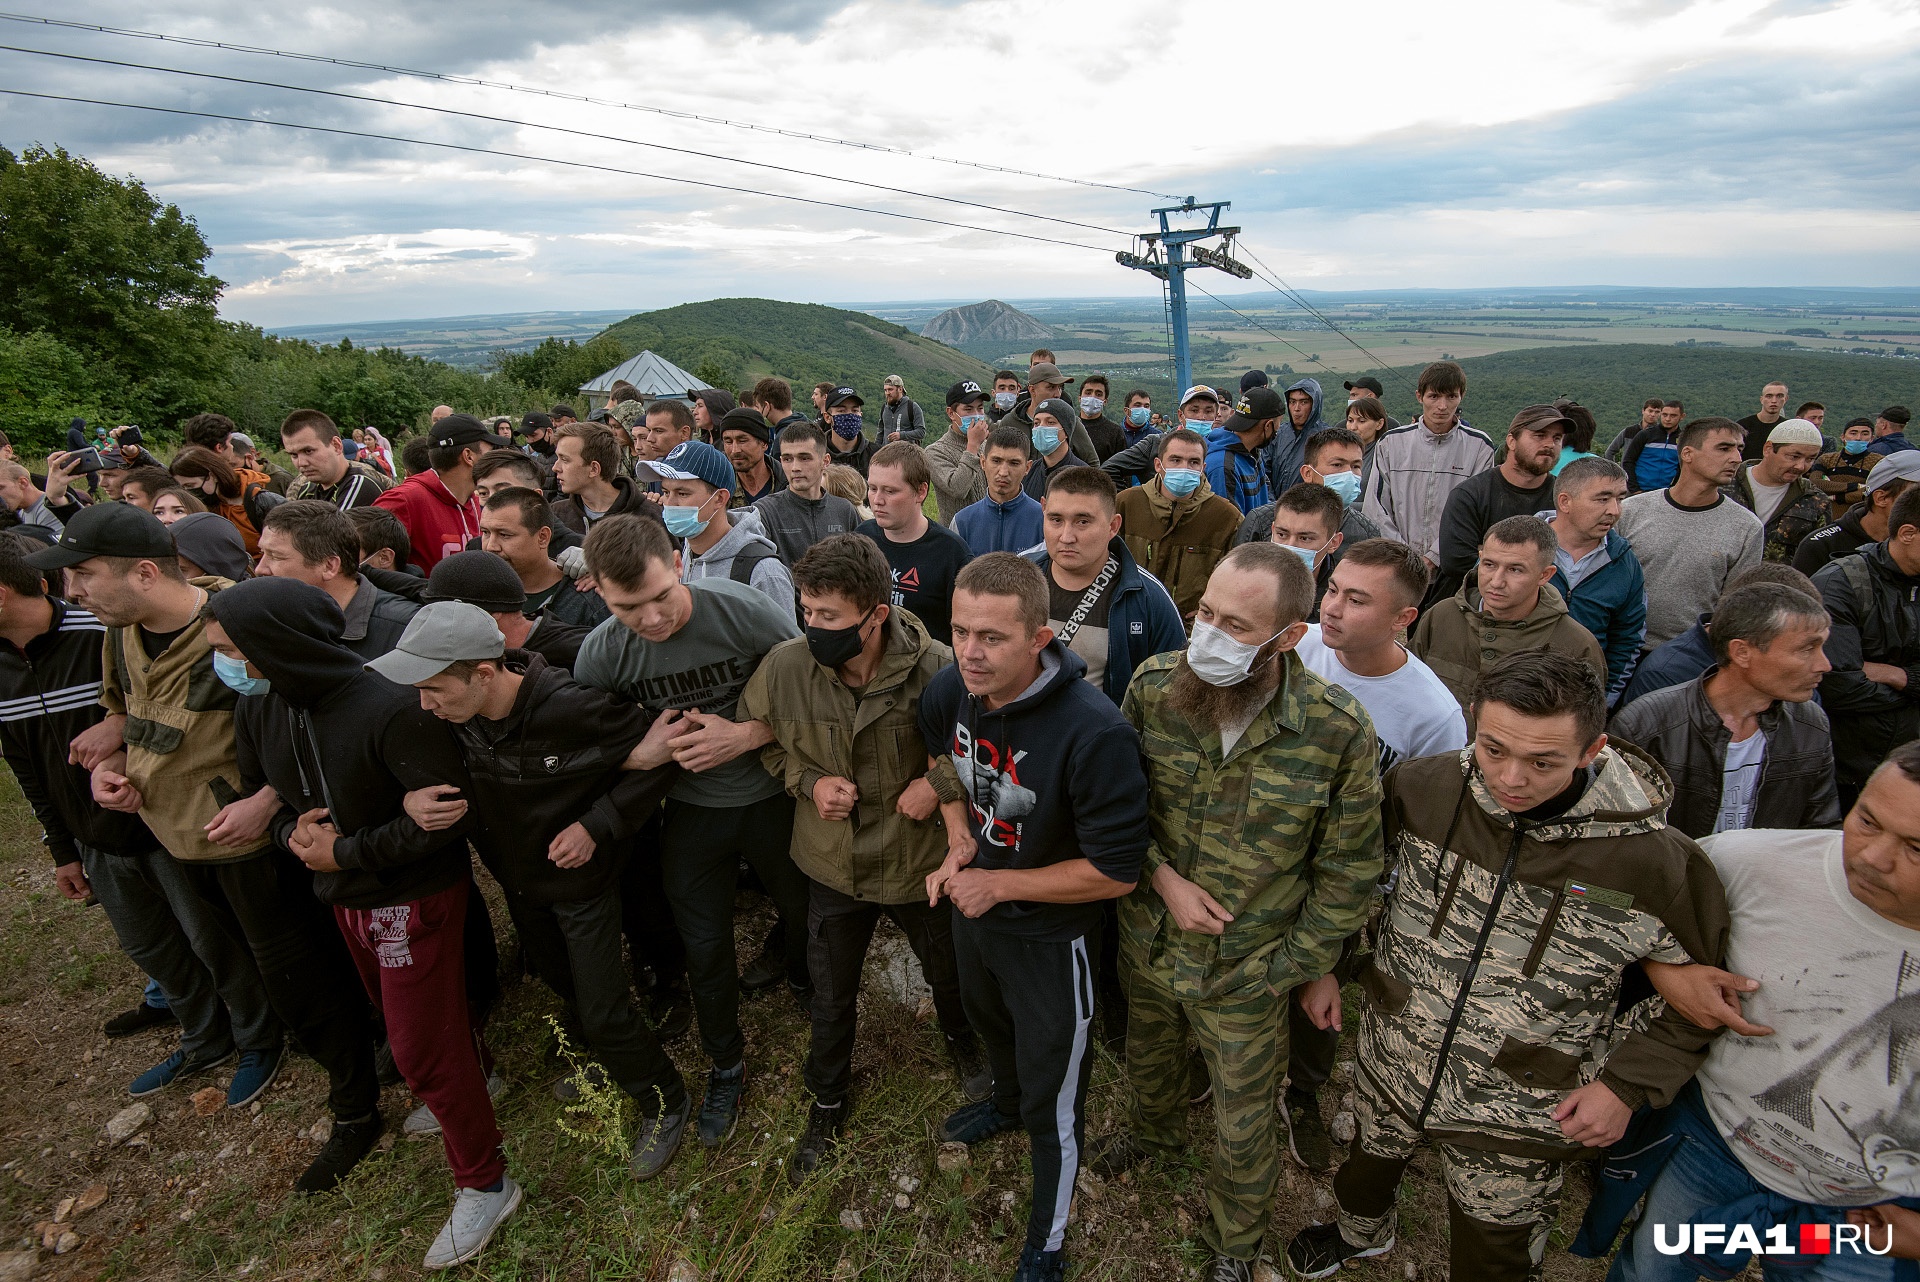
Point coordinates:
[[410, 959]]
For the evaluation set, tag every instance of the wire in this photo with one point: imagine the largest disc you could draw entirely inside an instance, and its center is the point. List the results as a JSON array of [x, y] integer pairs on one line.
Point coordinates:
[[450, 78], [578, 133], [550, 160], [1311, 360], [1287, 291]]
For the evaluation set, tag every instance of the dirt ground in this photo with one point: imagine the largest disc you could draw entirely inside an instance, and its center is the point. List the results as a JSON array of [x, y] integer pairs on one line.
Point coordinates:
[[201, 1191]]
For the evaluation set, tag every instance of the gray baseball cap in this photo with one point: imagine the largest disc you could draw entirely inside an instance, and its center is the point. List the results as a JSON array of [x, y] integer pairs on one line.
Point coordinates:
[[441, 635], [1901, 465]]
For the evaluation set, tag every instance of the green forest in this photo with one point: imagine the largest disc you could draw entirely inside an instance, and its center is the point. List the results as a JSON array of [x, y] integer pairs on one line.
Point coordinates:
[[108, 312]]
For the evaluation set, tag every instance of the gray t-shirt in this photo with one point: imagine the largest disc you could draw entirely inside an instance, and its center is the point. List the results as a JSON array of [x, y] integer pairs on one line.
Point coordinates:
[[704, 665], [1823, 1110]]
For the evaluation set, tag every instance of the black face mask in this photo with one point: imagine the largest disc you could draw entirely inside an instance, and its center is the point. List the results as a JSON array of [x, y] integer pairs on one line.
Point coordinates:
[[832, 647]]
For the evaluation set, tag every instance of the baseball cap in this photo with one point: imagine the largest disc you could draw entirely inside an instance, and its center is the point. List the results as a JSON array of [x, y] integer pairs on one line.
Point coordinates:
[[963, 391], [1368, 384], [1200, 391], [442, 634], [1253, 378], [478, 578], [1534, 417], [841, 395], [558, 410], [240, 442], [107, 529], [462, 429], [894, 380], [693, 461], [535, 421], [1046, 372], [1796, 431], [1255, 405], [1902, 465]]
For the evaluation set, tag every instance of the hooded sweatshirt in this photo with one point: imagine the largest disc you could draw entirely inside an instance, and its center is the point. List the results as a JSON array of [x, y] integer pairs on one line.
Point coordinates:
[[1050, 777], [746, 538], [437, 525], [329, 735], [1457, 639], [1236, 473], [1288, 448], [1492, 989]]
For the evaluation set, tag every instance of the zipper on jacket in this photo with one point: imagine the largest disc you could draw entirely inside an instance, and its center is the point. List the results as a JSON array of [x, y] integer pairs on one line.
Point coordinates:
[[1545, 933], [1467, 978], [1446, 900]]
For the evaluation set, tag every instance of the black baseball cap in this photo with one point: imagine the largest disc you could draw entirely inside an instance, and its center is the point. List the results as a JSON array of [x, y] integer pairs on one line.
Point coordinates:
[[107, 529], [463, 429], [1253, 378], [841, 395], [962, 392], [1367, 384], [535, 421], [1256, 405]]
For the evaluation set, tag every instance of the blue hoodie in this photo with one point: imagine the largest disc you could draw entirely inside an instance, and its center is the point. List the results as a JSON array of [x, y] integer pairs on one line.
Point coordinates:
[[1050, 777], [1288, 449], [989, 526], [1237, 475]]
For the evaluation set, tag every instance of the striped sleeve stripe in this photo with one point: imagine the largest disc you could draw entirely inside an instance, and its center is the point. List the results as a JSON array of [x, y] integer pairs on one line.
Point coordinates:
[[72, 698], [51, 696]]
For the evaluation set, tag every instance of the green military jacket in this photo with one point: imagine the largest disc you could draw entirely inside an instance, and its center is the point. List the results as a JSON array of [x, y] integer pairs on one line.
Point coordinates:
[[822, 728], [1572, 902], [1284, 833]]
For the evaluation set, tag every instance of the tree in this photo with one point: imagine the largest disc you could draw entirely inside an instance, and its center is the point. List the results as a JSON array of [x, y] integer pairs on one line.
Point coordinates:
[[99, 264]]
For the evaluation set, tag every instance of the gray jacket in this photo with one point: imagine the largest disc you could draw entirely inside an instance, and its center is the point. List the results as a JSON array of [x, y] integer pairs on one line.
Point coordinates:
[[1678, 728], [1414, 473], [769, 573], [796, 524], [958, 478], [904, 418]]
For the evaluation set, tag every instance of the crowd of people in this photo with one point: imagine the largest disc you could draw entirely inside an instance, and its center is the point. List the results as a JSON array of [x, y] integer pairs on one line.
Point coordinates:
[[1598, 781]]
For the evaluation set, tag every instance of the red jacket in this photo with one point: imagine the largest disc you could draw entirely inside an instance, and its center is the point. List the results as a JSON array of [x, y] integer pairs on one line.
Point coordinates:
[[437, 525]]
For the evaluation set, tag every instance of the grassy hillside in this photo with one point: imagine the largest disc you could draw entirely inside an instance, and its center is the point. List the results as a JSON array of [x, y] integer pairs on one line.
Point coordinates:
[[1612, 380], [730, 342]]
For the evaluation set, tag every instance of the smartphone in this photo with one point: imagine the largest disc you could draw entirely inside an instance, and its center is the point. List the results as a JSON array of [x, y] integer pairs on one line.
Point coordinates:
[[89, 458]]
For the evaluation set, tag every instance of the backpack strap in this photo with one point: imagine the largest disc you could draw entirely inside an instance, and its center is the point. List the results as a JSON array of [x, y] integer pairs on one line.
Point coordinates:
[[744, 562]]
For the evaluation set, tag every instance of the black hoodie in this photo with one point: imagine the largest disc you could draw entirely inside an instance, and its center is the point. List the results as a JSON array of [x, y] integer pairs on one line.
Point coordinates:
[[332, 736], [1054, 775], [554, 760]]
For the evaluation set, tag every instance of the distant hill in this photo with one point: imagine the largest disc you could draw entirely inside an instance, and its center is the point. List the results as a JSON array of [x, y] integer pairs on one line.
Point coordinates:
[[731, 342], [987, 329], [1613, 379]]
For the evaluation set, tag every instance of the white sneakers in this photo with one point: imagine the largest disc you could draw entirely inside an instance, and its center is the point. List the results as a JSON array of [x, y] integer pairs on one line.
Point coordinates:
[[476, 1214]]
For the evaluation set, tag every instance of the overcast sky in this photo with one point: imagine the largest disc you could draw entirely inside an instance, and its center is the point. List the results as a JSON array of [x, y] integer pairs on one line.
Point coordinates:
[[1364, 144]]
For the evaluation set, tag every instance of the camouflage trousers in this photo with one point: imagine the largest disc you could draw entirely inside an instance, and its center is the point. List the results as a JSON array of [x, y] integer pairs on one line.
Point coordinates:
[[1243, 1038], [1500, 1208]]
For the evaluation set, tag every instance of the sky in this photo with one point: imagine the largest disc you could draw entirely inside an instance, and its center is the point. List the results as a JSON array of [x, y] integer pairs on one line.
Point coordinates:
[[1372, 144]]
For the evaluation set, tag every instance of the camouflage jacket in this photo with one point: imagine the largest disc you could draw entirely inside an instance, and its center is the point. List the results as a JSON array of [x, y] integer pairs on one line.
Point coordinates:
[[1284, 833], [1541, 920], [1803, 509]]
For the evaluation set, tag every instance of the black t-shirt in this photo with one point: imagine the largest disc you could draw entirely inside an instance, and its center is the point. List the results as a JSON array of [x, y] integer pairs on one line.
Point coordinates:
[[1755, 444], [156, 643], [923, 573], [537, 601], [1089, 641]]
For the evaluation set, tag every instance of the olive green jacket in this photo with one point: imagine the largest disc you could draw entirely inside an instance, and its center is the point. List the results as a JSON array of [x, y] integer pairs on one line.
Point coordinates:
[[1456, 638], [821, 729]]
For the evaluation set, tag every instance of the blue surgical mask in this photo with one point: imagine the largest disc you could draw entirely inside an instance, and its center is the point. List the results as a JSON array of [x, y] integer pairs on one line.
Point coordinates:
[[1005, 400], [1306, 555], [846, 426], [1045, 439], [1855, 447], [1139, 416], [1345, 484], [1199, 425], [683, 522], [970, 421], [1180, 481], [1090, 406], [233, 675]]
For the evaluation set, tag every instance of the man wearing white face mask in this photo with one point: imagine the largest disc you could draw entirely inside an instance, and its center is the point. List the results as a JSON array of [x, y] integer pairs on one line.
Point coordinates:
[[1306, 522], [1264, 813], [1175, 525], [1108, 440]]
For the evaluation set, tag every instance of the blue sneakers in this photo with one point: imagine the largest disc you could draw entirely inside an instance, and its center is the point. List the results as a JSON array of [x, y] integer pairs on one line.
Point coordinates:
[[256, 1072], [171, 1069]]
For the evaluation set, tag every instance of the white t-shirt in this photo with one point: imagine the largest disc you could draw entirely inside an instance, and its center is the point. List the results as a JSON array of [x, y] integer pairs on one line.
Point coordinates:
[[1765, 498], [1827, 1110], [1739, 780], [1414, 714]]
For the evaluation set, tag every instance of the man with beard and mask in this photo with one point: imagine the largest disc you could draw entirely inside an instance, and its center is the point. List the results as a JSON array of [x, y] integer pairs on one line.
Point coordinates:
[[1264, 815], [1532, 870], [1055, 823], [837, 705], [1288, 448], [1520, 486], [342, 748]]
